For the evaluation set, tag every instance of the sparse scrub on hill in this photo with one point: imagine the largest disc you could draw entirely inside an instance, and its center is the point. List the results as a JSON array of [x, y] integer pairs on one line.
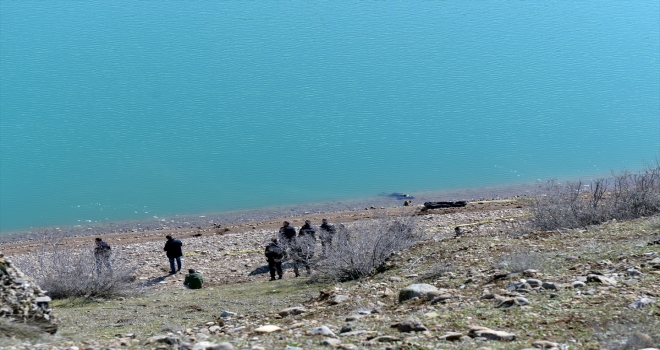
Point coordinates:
[[624, 196], [654, 224], [438, 270], [633, 330], [519, 261], [69, 272], [363, 248], [18, 330]]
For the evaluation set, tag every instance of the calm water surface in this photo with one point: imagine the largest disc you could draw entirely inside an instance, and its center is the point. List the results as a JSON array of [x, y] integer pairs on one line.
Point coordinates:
[[114, 111]]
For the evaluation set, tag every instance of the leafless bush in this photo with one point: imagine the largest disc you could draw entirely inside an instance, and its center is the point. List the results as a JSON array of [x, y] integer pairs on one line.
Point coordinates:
[[438, 270], [654, 223], [632, 331], [521, 261], [362, 248], [575, 204], [69, 272], [18, 330]]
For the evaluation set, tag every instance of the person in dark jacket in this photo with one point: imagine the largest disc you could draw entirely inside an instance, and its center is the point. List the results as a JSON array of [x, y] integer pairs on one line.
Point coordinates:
[[174, 252], [327, 233], [102, 255], [194, 280], [301, 254], [274, 255], [304, 247], [287, 234], [307, 230]]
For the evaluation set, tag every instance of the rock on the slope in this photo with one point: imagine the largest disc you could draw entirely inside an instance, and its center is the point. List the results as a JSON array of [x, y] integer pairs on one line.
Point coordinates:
[[323, 330], [451, 336], [338, 299], [490, 334], [331, 342], [204, 345], [415, 290], [165, 339], [544, 344], [410, 325], [227, 314], [578, 284], [601, 279], [509, 302], [296, 310], [550, 285], [534, 282], [22, 301], [385, 339], [641, 302], [268, 329]]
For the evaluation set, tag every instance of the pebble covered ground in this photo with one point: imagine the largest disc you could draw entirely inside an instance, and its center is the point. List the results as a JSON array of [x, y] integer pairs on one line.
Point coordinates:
[[495, 286]]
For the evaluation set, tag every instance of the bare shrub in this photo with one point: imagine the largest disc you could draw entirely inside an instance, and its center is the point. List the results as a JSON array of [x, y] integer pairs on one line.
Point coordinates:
[[69, 272], [633, 330], [438, 270], [654, 224], [576, 204], [362, 248], [18, 330], [521, 261]]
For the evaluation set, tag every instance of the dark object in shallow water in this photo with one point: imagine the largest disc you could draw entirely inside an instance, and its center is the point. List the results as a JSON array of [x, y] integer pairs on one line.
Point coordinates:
[[398, 195], [435, 205]]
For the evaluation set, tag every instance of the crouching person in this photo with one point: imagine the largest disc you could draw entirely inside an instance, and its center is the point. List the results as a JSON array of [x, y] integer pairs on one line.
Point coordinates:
[[274, 255], [194, 280]]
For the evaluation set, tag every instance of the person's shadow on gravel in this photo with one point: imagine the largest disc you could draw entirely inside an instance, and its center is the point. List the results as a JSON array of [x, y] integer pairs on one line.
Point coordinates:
[[264, 269], [157, 280]]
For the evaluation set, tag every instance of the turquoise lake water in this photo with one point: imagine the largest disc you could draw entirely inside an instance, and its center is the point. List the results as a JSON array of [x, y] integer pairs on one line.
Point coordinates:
[[113, 111]]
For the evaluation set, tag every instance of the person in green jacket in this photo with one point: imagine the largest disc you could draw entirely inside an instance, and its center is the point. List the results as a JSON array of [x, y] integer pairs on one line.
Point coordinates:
[[193, 280]]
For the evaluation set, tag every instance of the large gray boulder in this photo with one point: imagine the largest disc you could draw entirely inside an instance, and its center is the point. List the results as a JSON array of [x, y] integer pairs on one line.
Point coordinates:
[[22, 301], [415, 290]]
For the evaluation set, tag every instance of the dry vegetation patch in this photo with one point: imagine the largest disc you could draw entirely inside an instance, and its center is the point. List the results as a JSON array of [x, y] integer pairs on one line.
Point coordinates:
[[475, 288]]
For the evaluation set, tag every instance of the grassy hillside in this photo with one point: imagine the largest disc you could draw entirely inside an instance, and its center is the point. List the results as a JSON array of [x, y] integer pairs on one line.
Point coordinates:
[[472, 274]]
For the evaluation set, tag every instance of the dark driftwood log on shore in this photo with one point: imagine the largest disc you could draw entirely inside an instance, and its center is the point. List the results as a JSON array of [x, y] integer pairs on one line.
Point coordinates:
[[436, 205]]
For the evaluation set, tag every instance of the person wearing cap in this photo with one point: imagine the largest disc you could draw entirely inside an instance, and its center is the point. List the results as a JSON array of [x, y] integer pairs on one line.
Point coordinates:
[[102, 255], [274, 255], [174, 253], [194, 280]]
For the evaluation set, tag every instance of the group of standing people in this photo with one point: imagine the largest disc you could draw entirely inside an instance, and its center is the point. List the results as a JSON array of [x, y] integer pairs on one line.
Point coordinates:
[[173, 250], [300, 247]]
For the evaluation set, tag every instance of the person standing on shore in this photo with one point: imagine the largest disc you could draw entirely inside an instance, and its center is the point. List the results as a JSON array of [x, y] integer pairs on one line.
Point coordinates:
[[102, 255], [174, 252], [274, 255], [308, 230], [287, 234], [305, 245], [327, 233]]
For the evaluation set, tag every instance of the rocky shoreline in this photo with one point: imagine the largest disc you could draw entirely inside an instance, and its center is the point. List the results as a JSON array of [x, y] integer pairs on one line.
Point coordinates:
[[240, 217], [235, 254], [494, 286]]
